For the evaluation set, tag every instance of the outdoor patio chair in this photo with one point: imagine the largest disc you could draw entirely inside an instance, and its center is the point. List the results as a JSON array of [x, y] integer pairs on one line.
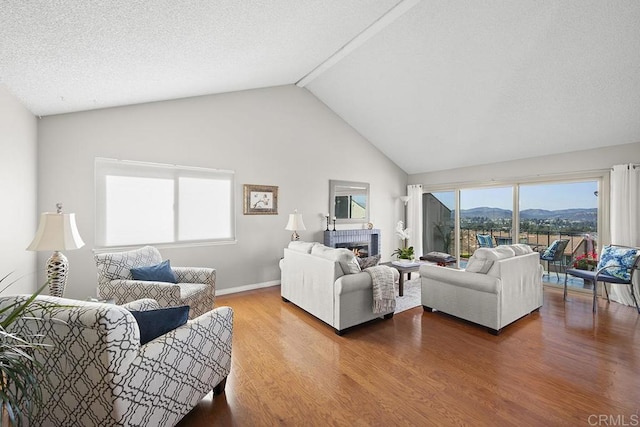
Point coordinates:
[[554, 255], [617, 265]]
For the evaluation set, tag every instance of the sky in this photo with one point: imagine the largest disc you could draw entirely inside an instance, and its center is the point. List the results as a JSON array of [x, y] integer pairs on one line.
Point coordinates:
[[532, 196]]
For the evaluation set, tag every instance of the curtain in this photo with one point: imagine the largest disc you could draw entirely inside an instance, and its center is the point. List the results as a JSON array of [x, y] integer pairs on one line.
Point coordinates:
[[625, 219], [414, 217]]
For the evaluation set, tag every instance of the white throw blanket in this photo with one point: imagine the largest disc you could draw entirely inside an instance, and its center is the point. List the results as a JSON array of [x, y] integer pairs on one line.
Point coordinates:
[[384, 291]]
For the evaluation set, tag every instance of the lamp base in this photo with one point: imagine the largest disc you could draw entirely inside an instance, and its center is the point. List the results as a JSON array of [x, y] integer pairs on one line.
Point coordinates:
[[57, 269], [295, 236]]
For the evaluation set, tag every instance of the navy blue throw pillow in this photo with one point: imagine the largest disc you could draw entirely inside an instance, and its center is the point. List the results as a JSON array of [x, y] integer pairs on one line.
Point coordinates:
[[155, 273], [154, 323]]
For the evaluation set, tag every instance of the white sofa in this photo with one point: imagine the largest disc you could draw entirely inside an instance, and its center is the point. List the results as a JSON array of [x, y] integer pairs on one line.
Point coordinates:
[[313, 278], [96, 373], [499, 286]]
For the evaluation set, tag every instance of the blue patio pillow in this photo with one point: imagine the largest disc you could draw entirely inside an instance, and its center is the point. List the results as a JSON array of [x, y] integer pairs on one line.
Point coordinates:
[[620, 260], [550, 252], [155, 323], [485, 240], [155, 273]]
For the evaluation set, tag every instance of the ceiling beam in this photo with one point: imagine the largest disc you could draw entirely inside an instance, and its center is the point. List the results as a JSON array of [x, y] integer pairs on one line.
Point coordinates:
[[378, 25]]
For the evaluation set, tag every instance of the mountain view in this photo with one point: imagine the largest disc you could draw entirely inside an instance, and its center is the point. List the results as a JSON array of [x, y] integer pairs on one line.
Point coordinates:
[[564, 214]]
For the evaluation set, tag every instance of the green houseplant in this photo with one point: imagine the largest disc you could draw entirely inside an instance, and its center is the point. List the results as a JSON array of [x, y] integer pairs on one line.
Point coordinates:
[[19, 388], [405, 252]]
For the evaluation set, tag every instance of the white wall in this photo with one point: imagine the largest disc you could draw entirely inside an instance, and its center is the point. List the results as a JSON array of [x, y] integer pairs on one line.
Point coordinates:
[[280, 136], [18, 214], [565, 163]]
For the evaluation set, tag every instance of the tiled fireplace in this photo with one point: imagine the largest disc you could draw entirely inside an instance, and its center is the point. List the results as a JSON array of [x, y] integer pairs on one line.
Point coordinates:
[[366, 242]]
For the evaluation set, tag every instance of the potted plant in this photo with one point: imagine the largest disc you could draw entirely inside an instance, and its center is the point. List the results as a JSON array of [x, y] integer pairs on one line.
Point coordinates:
[[587, 261], [19, 388], [404, 253]]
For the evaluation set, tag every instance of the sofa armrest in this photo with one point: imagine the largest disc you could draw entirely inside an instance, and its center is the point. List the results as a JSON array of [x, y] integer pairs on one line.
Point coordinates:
[[196, 275], [352, 283], [91, 344], [462, 278], [138, 289], [187, 363], [359, 281]]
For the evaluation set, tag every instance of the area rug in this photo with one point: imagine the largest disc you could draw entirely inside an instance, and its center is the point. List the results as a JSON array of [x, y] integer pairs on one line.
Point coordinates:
[[411, 297]]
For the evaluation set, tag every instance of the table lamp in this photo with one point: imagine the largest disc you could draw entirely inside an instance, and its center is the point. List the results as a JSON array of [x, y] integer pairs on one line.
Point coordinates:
[[56, 231], [295, 223]]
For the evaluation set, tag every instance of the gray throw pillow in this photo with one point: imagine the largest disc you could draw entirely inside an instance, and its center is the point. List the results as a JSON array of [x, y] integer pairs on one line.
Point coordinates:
[[369, 261]]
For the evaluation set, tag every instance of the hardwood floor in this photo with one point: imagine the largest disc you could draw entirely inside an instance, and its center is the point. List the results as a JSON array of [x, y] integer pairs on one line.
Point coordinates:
[[559, 366]]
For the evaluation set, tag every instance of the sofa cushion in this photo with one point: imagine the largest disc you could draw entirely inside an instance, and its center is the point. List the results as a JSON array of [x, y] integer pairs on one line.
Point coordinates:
[[154, 323], [343, 256], [478, 265], [304, 247], [155, 273], [494, 254], [521, 249]]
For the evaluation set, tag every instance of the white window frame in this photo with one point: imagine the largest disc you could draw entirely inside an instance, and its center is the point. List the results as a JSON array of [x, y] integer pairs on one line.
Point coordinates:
[[105, 167]]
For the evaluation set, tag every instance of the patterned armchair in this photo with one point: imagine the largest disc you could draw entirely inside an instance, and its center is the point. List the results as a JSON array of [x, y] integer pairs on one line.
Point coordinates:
[[96, 373], [195, 287]]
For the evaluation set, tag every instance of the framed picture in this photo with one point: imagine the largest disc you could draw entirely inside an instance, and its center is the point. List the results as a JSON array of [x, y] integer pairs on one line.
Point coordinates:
[[260, 199]]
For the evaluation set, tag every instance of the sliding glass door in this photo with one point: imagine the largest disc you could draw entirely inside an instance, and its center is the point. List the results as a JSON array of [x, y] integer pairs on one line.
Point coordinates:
[[438, 212], [486, 218], [560, 211], [544, 212]]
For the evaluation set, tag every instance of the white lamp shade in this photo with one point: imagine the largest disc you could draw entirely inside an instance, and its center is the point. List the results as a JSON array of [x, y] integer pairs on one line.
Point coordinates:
[[295, 222], [56, 232]]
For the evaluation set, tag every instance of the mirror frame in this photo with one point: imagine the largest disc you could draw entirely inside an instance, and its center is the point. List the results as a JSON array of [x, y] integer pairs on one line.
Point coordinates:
[[332, 197]]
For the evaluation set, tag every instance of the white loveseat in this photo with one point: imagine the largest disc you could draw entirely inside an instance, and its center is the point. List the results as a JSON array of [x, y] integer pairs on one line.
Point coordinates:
[[499, 286], [95, 372], [313, 278]]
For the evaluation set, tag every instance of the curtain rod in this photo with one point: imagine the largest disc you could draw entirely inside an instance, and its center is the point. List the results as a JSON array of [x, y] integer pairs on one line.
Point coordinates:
[[632, 165]]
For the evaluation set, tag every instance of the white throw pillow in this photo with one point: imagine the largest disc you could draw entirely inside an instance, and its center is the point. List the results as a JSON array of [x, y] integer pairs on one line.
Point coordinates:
[[343, 256], [505, 251], [521, 249], [300, 246], [477, 265], [494, 254]]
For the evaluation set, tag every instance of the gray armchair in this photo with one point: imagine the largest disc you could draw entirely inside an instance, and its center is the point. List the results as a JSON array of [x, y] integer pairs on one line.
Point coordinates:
[[195, 287]]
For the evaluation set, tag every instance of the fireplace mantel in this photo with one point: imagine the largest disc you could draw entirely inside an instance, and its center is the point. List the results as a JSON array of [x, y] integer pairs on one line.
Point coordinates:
[[372, 237]]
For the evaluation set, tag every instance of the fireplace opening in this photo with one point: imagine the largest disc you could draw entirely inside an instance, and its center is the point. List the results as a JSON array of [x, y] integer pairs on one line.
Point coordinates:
[[366, 241], [360, 249]]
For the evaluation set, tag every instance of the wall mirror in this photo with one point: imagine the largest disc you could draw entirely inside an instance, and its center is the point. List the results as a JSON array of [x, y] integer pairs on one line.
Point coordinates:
[[349, 201]]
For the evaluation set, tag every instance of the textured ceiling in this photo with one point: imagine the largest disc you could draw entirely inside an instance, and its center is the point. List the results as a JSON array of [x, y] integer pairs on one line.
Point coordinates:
[[440, 84], [460, 83], [70, 55]]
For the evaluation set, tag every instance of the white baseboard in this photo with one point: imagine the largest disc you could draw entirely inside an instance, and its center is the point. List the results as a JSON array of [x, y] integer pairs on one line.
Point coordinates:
[[247, 287]]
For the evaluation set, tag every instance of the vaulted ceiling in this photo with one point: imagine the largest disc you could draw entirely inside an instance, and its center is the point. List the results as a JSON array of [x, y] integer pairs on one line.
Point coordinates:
[[432, 84]]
